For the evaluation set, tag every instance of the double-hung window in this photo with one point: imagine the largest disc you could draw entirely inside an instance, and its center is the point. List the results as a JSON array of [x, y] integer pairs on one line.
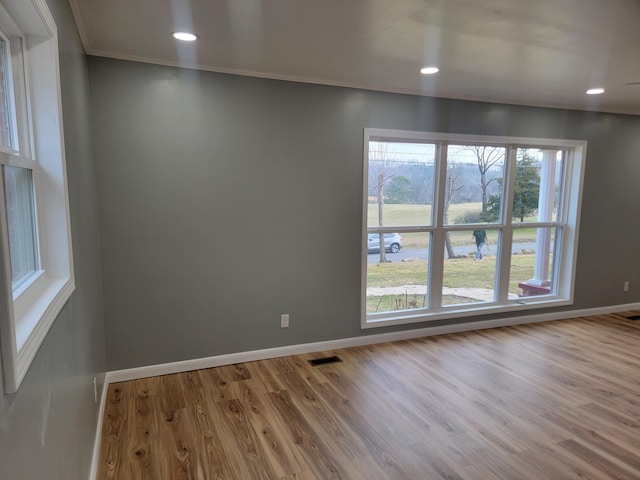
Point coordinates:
[[36, 270], [481, 224]]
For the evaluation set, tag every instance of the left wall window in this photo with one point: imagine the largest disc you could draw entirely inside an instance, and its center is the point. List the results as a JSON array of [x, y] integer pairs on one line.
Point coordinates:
[[36, 266], [19, 206]]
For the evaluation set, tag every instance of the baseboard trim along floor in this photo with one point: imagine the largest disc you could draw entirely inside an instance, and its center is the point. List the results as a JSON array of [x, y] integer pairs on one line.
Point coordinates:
[[250, 356]]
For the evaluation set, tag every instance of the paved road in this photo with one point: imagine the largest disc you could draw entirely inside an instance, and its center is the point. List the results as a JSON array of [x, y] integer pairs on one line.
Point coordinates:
[[421, 253]]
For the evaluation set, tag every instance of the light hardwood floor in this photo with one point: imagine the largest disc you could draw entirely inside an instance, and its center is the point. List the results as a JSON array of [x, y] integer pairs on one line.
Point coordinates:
[[543, 402]]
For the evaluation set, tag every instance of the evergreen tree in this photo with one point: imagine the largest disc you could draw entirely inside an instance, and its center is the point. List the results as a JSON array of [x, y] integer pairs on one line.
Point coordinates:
[[399, 190], [527, 189], [525, 195]]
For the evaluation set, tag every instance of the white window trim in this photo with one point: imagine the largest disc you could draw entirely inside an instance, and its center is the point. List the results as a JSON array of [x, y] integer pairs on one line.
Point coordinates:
[[565, 262], [27, 314]]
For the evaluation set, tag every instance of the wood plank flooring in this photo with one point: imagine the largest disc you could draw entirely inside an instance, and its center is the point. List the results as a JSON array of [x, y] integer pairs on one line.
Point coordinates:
[[559, 400]]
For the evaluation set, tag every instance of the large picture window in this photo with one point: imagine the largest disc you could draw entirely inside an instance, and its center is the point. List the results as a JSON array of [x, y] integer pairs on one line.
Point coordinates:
[[457, 225], [36, 266]]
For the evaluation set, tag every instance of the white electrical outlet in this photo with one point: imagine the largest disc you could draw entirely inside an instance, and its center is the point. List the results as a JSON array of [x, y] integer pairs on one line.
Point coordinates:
[[95, 390], [627, 284], [284, 320]]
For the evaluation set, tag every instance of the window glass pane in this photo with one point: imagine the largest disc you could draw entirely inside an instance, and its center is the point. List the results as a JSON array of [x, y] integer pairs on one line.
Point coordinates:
[[532, 272], [399, 282], [469, 274], [6, 109], [473, 188], [400, 184], [18, 191], [538, 185], [459, 221]]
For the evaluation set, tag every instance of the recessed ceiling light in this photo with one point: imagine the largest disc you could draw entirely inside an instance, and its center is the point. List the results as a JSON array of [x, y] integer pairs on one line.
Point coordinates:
[[429, 70], [595, 91], [185, 36]]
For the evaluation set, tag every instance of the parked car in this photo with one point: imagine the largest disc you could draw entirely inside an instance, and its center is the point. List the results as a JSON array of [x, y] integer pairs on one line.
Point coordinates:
[[392, 242]]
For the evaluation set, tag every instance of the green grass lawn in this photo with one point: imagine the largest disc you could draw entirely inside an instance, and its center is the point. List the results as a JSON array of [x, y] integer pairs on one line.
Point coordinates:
[[388, 303], [458, 273], [413, 215]]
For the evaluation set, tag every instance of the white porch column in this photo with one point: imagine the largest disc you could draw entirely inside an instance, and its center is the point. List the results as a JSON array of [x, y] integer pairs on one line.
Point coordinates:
[[545, 214]]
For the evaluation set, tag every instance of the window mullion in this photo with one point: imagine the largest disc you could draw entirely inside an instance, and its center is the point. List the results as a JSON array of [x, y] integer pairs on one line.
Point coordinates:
[[436, 264], [14, 160], [506, 236], [437, 160], [564, 187]]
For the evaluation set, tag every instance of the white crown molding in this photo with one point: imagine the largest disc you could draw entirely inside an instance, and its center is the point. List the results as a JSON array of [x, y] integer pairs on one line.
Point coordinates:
[[359, 86], [82, 31], [47, 18]]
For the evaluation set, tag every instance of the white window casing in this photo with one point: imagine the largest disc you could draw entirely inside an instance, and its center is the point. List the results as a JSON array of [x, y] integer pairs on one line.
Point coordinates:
[[28, 311], [566, 227]]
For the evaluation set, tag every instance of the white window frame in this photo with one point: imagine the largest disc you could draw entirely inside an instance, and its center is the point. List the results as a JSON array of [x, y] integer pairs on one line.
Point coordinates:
[[27, 313], [564, 262]]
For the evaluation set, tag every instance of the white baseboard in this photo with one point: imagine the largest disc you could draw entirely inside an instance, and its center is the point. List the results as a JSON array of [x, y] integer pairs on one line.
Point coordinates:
[[250, 356], [93, 473]]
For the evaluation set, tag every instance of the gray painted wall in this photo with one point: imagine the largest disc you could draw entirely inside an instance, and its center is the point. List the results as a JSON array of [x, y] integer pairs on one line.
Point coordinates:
[[225, 201], [47, 429]]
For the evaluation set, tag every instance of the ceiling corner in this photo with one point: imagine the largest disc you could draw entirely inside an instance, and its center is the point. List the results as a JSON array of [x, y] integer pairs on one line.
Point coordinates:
[[84, 38]]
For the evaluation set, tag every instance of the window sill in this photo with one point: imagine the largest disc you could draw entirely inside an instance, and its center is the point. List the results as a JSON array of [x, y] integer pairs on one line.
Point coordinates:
[[27, 313], [421, 316], [23, 289], [33, 323]]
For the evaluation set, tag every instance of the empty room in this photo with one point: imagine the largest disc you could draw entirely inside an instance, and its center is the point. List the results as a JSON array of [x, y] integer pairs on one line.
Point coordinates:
[[286, 239]]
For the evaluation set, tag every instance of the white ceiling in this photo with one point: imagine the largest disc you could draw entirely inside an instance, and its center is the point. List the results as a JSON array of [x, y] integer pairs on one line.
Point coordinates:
[[531, 52]]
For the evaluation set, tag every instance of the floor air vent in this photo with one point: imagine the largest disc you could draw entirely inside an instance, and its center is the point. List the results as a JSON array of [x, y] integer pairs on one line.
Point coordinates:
[[316, 362], [633, 317]]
